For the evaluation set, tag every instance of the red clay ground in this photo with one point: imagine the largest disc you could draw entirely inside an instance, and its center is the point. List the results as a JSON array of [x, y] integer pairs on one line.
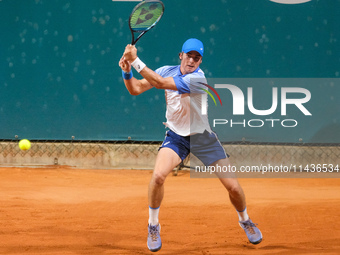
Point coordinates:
[[71, 211]]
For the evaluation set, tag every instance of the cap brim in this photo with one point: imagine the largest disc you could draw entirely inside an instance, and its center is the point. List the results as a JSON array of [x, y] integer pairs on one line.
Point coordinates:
[[188, 50]]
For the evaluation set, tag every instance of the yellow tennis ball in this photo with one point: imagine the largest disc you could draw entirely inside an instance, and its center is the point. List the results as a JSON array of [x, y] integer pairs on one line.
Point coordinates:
[[24, 144]]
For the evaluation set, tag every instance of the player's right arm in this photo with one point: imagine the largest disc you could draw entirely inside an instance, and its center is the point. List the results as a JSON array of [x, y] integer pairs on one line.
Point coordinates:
[[133, 85]]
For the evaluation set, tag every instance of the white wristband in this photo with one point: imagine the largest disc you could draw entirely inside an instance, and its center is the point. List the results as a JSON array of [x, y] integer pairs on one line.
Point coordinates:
[[138, 64]]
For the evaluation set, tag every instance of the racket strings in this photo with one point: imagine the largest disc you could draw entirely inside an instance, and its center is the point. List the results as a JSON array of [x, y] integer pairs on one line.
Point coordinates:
[[143, 11], [145, 16]]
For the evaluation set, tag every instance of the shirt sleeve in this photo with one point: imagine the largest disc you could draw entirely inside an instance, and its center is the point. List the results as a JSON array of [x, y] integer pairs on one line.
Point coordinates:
[[191, 83], [160, 71]]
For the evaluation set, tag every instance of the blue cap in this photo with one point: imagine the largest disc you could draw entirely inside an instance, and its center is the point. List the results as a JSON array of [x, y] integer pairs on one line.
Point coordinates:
[[193, 44]]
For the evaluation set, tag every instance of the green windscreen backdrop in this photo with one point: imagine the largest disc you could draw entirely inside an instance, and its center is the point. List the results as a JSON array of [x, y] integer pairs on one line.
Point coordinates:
[[60, 76]]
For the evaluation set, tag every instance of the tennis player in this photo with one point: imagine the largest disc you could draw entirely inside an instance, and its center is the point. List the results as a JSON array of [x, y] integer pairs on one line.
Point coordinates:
[[189, 130]]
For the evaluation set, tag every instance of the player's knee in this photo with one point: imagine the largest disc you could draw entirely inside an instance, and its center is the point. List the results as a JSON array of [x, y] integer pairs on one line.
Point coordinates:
[[158, 178], [235, 189]]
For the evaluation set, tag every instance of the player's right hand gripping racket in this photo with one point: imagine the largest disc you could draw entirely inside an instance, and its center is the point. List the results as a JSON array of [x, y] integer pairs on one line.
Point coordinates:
[[144, 17]]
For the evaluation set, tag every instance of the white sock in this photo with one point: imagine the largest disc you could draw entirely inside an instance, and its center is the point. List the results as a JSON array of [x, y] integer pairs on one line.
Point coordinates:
[[153, 216], [243, 216]]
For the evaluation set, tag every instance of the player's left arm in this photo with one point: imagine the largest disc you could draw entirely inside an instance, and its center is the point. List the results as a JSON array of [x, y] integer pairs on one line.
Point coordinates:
[[158, 81]]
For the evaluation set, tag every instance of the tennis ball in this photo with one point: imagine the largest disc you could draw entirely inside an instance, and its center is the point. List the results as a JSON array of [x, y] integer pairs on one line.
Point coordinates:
[[24, 144]]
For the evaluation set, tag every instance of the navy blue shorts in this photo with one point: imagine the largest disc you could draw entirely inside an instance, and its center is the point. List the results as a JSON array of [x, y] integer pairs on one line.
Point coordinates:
[[206, 147]]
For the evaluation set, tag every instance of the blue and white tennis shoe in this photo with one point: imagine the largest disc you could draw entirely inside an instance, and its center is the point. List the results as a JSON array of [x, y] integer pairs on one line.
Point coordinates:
[[253, 233], [154, 238]]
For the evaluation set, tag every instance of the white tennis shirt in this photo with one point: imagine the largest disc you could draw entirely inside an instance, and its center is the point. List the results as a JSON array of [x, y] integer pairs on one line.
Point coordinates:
[[185, 106]]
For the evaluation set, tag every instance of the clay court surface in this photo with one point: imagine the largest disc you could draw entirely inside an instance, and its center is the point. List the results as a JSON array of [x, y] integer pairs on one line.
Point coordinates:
[[60, 210]]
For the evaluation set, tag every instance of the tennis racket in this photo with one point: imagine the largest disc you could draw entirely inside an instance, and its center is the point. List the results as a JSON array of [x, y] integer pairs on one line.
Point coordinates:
[[144, 17]]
